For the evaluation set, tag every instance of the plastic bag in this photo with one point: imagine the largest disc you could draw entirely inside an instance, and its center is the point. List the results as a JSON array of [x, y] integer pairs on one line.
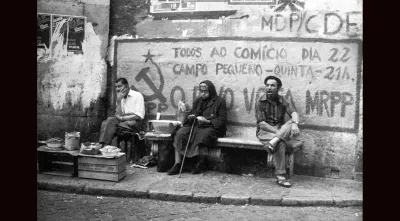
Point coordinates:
[[148, 161], [182, 112]]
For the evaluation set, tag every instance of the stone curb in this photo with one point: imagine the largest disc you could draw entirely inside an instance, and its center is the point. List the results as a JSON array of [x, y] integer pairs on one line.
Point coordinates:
[[225, 199], [348, 202], [232, 199], [70, 188], [171, 196], [206, 198], [263, 201], [302, 201]]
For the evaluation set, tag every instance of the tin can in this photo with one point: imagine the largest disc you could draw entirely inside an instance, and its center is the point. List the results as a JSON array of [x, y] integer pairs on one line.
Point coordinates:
[[72, 140]]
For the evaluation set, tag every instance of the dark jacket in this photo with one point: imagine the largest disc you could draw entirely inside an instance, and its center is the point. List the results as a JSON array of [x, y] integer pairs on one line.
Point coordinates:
[[214, 110], [203, 136]]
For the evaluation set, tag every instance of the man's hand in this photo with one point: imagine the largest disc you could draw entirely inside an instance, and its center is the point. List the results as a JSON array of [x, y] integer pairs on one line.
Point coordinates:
[[123, 93], [119, 117], [295, 130]]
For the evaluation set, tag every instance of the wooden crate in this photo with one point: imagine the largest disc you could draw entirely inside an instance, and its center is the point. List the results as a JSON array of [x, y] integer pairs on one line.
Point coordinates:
[[61, 163], [101, 168], [102, 175]]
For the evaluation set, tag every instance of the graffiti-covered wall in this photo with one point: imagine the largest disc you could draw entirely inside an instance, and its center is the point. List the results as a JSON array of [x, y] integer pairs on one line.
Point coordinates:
[[321, 76], [72, 41], [315, 47]]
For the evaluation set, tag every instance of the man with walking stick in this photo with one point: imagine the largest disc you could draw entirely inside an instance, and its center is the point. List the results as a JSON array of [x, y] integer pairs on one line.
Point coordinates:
[[201, 128]]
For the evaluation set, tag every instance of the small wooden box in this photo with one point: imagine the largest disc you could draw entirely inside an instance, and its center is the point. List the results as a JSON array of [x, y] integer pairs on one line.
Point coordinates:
[[61, 163], [102, 168]]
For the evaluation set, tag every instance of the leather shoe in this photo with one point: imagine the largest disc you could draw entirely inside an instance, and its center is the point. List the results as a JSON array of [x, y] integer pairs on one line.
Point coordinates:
[[200, 166], [175, 169]]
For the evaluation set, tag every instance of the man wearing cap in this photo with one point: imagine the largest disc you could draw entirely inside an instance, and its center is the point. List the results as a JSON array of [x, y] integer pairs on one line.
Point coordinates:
[[272, 130]]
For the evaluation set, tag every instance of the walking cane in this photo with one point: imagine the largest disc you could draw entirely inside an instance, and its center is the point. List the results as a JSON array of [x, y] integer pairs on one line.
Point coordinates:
[[187, 145]]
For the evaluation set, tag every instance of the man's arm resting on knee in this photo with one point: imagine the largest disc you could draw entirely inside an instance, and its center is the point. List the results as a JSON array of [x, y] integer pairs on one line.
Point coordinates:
[[129, 117], [295, 126]]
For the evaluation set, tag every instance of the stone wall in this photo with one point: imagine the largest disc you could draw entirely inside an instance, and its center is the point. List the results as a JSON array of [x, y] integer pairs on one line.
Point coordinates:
[[71, 87]]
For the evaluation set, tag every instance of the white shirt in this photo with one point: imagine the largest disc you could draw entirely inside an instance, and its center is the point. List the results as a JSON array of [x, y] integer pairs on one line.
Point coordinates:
[[133, 104]]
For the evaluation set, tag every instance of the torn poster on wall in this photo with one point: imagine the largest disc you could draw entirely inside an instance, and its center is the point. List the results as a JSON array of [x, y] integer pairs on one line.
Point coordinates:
[[43, 30], [73, 30]]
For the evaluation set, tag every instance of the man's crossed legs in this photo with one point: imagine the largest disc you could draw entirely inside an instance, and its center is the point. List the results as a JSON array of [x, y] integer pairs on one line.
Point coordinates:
[[275, 144]]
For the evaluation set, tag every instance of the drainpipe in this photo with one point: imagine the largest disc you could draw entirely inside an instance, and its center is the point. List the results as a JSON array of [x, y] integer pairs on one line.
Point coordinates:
[[358, 169], [111, 94]]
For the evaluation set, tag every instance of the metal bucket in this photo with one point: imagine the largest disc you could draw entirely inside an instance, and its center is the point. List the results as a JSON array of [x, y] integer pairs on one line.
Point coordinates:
[[72, 140]]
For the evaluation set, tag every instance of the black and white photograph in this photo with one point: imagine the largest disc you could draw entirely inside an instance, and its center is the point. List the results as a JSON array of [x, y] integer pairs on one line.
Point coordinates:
[[224, 110]]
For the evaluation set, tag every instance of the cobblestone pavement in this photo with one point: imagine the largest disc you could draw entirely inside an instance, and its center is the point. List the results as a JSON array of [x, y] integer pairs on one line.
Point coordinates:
[[65, 206]]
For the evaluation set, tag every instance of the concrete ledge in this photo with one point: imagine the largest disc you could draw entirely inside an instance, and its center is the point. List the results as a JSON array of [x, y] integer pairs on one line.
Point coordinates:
[[239, 143], [230, 199], [206, 198]]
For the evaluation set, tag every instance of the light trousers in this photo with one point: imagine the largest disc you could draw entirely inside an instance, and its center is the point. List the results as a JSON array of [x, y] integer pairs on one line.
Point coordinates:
[[109, 126], [283, 133]]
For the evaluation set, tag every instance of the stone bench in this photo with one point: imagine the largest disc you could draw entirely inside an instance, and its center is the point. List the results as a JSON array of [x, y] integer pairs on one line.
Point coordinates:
[[229, 141]]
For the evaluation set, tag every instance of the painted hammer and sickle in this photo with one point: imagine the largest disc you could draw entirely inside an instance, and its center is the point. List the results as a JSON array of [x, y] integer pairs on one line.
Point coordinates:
[[157, 92]]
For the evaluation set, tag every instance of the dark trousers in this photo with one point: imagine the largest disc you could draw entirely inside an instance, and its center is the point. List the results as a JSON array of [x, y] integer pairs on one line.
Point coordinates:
[[109, 126]]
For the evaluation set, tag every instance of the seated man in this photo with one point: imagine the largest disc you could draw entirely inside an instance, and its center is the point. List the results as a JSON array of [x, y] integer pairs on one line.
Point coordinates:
[[209, 115], [129, 112], [272, 130]]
